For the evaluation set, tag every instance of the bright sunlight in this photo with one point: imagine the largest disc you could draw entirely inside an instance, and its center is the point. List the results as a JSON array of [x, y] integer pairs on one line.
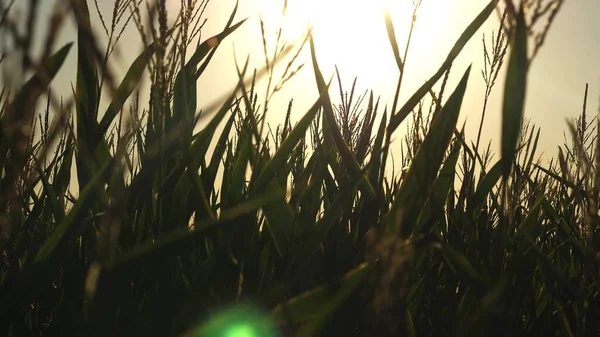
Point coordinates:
[[352, 35]]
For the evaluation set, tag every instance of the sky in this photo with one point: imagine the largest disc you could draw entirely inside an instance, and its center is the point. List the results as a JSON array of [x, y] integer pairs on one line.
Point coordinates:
[[351, 34]]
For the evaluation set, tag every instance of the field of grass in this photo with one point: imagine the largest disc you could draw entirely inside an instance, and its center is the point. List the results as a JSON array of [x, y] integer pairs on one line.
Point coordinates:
[[231, 230]]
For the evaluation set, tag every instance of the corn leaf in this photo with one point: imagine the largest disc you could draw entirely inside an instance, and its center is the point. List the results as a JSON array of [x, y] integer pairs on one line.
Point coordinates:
[[423, 171], [514, 95], [128, 84], [302, 307], [399, 116], [347, 156], [65, 225]]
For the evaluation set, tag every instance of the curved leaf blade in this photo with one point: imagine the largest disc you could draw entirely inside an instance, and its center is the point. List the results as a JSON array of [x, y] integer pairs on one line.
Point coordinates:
[[127, 86], [397, 117]]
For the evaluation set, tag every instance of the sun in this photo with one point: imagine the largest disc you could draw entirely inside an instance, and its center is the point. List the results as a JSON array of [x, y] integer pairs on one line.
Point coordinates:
[[328, 17], [351, 34]]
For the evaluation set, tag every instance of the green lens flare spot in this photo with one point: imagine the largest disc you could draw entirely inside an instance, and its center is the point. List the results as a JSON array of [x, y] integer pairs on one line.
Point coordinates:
[[243, 330], [243, 321]]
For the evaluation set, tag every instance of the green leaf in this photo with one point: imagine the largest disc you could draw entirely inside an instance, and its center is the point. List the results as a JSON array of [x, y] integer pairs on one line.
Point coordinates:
[[489, 180], [128, 84], [40, 81], [347, 157], [375, 163], [318, 304], [514, 95], [203, 205], [58, 235], [561, 317], [466, 307], [204, 137], [533, 151], [542, 300], [423, 171], [410, 330], [398, 117], [210, 43], [185, 95], [208, 176], [487, 305], [365, 140], [151, 250], [196, 152], [87, 88], [562, 227], [530, 225], [558, 178], [178, 197], [62, 180], [282, 155], [280, 218], [51, 195], [459, 263], [329, 219], [550, 272], [443, 185], [389, 25]]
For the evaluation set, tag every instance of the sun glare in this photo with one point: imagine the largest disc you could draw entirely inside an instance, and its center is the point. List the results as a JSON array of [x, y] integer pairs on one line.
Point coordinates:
[[352, 35], [333, 22], [332, 18]]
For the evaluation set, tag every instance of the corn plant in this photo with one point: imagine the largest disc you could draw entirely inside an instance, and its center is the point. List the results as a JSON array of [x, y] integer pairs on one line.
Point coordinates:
[[205, 221]]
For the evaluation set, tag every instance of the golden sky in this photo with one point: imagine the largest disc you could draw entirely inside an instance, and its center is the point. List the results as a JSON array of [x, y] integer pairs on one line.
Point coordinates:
[[351, 34], [353, 37]]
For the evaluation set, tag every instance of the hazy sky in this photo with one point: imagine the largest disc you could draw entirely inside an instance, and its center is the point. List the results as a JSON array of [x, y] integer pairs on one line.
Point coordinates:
[[352, 35]]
